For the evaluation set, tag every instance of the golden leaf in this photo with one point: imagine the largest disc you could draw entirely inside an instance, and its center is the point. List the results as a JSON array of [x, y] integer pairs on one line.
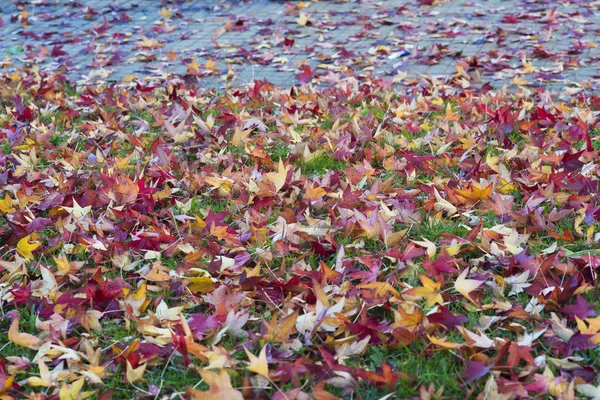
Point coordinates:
[[25, 249]]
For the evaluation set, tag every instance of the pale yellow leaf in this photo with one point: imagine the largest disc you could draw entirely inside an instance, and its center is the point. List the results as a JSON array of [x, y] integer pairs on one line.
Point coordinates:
[[258, 364]]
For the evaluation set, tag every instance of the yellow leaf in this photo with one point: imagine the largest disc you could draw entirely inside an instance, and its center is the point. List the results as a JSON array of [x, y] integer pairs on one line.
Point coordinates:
[[430, 291], [315, 193], [240, 136], [527, 66], [443, 342], [468, 141], [129, 78], [210, 65], [505, 187], [258, 364], [380, 289], [7, 384], [201, 284], [146, 43], [280, 331], [6, 205], [45, 378], [135, 374], [25, 248], [73, 392], [224, 185], [278, 178], [429, 245], [62, 264], [20, 338], [453, 248], [141, 292], [198, 223], [302, 19], [476, 192], [450, 116], [517, 80], [165, 12]]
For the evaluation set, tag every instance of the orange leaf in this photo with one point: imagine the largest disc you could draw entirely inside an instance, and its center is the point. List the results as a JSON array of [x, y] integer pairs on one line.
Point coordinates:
[[410, 322], [126, 191], [20, 338]]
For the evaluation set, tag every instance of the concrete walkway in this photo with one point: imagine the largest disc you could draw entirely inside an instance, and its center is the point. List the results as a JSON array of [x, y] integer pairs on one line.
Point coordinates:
[[229, 43]]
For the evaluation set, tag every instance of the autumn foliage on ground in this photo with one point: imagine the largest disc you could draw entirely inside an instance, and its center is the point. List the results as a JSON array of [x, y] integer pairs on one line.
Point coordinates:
[[353, 241]]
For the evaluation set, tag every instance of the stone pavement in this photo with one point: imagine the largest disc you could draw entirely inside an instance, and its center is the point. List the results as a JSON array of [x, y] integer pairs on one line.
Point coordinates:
[[232, 42]]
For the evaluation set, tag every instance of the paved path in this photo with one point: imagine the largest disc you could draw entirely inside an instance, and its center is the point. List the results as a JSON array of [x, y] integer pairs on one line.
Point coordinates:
[[233, 42]]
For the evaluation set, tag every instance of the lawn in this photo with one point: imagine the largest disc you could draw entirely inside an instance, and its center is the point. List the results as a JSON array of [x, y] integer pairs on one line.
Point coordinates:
[[161, 241]]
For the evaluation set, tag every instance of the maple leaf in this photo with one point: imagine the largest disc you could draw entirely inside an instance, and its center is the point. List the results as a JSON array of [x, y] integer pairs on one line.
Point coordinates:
[[478, 340], [125, 191], [430, 291], [279, 178], [581, 309], [466, 286], [475, 370], [73, 391], [476, 192], [6, 205], [409, 321], [219, 387], [351, 348], [135, 374], [258, 364], [77, 211], [165, 12], [443, 342], [280, 331], [445, 317], [26, 248], [386, 377], [146, 43], [517, 353], [302, 19], [442, 204]]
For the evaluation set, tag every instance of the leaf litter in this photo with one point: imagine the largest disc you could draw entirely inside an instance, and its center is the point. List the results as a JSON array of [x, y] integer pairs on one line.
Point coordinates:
[[306, 242]]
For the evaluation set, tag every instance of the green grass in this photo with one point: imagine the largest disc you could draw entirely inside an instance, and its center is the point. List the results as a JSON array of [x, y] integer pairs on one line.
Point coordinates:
[[427, 364], [320, 165], [170, 379], [278, 152], [6, 147], [432, 230], [58, 138], [203, 204], [115, 331]]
